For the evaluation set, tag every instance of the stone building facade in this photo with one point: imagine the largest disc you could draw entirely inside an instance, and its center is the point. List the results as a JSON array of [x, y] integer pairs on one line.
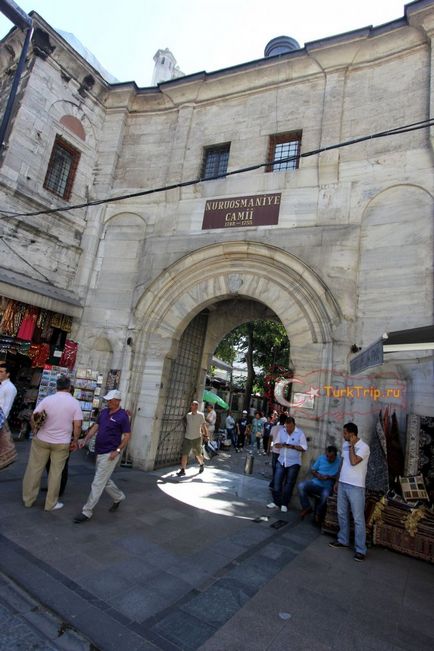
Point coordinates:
[[152, 292]]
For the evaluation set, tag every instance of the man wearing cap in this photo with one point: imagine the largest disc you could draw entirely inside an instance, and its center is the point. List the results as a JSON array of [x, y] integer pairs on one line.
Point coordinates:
[[195, 429], [242, 424], [113, 431]]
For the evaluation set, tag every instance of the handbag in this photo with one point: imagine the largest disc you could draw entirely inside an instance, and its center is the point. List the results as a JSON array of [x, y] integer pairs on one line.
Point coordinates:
[[38, 420]]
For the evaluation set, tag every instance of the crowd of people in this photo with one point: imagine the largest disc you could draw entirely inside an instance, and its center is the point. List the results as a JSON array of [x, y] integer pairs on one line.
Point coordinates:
[[279, 436], [57, 426]]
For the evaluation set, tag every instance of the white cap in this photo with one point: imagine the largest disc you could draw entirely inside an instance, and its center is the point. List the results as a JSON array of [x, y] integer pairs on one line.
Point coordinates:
[[244, 411], [114, 394]]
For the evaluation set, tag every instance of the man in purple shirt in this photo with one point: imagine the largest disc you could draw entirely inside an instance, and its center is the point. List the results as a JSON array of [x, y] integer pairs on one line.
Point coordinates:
[[113, 433]]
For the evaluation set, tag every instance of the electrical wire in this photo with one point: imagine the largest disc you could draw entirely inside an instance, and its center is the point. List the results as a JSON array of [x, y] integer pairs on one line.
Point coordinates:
[[28, 263], [423, 124]]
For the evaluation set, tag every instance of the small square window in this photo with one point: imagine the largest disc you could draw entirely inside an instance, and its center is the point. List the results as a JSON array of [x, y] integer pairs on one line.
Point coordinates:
[[284, 151], [215, 161], [62, 168]]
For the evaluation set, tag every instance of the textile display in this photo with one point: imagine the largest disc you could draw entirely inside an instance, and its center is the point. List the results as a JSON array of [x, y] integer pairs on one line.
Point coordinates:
[[377, 476], [61, 321], [69, 354], [395, 454], [12, 317], [419, 457], [28, 324], [39, 354], [406, 529]]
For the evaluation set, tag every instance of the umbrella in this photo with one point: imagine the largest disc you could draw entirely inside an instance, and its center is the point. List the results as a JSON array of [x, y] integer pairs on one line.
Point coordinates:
[[209, 396]]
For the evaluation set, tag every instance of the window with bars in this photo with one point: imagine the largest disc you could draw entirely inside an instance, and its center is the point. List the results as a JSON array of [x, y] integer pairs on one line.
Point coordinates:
[[215, 161], [62, 168], [284, 151]]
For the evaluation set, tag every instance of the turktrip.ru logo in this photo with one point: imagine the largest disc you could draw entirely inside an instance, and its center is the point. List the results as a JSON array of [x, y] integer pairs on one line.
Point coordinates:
[[343, 395]]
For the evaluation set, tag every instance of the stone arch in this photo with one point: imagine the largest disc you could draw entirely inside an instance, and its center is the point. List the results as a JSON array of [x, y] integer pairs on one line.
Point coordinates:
[[245, 270], [61, 108], [74, 125]]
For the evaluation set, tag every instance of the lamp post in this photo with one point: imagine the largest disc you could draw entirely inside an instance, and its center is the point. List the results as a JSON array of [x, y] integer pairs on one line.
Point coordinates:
[[23, 22]]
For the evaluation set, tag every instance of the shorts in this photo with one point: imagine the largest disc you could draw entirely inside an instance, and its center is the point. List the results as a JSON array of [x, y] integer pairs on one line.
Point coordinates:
[[192, 444]]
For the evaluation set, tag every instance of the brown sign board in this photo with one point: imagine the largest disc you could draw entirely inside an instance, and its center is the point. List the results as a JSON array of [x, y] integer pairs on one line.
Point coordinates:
[[255, 210]]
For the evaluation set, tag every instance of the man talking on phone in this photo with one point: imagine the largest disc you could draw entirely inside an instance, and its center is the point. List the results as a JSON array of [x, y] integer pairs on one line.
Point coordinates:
[[351, 492]]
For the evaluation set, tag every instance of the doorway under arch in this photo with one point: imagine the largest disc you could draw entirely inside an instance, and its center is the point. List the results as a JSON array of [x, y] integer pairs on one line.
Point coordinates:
[[244, 272]]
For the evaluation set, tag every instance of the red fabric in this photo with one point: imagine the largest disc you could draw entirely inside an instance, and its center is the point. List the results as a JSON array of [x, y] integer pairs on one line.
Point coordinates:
[[28, 324], [69, 354], [39, 353]]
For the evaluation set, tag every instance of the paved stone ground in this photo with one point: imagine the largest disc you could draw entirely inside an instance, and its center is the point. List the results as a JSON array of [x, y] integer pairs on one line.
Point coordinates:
[[26, 625], [182, 565]]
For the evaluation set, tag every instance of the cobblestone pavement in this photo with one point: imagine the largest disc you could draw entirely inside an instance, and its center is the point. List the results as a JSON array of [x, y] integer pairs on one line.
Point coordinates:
[[196, 562], [25, 625]]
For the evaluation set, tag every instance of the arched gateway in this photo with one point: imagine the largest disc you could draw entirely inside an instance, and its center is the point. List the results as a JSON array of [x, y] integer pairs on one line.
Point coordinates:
[[232, 270]]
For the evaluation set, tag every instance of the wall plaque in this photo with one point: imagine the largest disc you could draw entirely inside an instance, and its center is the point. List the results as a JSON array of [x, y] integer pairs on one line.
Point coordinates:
[[255, 210]]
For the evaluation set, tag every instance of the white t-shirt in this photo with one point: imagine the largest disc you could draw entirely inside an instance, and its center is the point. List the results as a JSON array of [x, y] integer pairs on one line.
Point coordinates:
[[61, 409], [354, 475], [7, 396]]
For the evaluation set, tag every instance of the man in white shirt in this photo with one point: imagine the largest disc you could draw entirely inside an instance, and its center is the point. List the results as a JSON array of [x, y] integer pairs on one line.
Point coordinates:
[[7, 390], [292, 443], [351, 492], [8, 452]]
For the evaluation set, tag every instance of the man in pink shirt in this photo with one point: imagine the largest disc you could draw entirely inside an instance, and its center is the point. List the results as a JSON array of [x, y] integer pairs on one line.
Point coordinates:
[[52, 442]]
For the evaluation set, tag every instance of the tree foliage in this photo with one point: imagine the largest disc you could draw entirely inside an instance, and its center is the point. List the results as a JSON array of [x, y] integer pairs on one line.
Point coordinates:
[[261, 345]]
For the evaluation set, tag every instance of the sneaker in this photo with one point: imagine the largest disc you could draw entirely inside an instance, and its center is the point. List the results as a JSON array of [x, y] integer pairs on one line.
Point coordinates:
[[337, 545], [305, 512], [272, 505], [359, 557], [284, 509], [114, 507], [201, 468], [180, 473], [57, 506], [81, 518]]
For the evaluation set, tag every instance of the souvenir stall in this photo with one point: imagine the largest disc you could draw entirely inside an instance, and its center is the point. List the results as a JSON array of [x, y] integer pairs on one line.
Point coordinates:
[[399, 490], [403, 519], [31, 340]]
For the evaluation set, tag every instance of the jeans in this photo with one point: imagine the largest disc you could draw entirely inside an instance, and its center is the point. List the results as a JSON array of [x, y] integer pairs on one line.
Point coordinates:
[[232, 434], [284, 482], [309, 488], [274, 457], [101, 481], [352, 497]]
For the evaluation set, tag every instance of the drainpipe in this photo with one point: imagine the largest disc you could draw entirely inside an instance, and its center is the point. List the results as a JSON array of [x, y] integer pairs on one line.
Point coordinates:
[[25, 23]]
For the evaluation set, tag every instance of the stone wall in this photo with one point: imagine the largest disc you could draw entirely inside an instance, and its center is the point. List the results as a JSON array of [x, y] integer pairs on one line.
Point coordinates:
[[351, 256]]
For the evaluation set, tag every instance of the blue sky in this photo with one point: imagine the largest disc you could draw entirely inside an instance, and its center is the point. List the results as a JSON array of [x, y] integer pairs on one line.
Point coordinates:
[[203, 35]]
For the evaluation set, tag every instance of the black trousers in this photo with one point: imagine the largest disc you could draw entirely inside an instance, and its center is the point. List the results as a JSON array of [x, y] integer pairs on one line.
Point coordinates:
[[64, 478]]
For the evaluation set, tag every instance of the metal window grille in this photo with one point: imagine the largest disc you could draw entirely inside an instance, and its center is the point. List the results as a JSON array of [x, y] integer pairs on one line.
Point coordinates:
[[61, 168], [181, 391], [284, 152], [215, 161]]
